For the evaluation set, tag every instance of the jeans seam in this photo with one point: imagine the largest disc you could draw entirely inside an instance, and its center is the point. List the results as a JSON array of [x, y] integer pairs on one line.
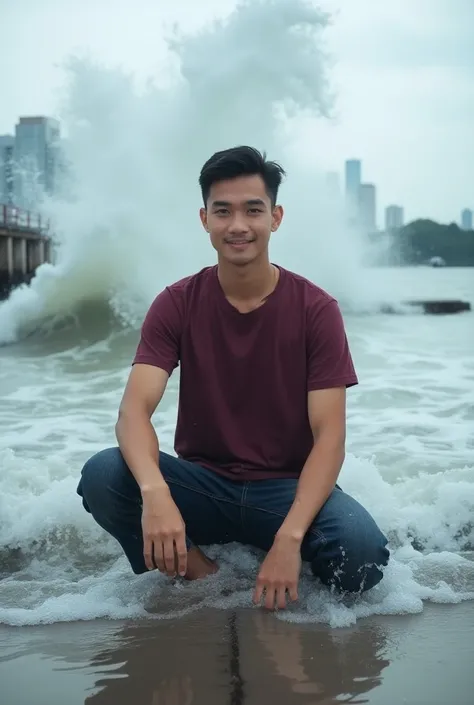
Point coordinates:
[[242, 505], [203, 492], [311, 530]]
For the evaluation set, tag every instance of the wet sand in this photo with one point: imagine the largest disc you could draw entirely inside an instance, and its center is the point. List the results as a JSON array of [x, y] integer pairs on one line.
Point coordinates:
[[245, 657]]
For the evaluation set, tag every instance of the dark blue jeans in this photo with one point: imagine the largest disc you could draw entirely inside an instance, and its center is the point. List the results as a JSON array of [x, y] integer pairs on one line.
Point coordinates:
[[344, 546]]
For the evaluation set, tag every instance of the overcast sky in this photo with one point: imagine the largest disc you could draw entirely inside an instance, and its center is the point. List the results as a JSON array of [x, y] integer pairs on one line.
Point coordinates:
[[403, 76]]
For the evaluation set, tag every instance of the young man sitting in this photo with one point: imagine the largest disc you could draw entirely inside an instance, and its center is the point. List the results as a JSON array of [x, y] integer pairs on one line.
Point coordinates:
[[260, 437]]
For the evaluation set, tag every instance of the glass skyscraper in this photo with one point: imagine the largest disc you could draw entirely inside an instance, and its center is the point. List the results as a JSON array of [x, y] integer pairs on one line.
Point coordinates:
[[393, 217], [368, 207], [466, 219], [35, 158], [7, 143], [352, 184]]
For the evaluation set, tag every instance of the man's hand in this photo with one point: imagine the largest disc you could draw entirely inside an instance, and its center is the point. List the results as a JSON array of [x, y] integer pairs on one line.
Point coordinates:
[[164, 542], [279, 573]]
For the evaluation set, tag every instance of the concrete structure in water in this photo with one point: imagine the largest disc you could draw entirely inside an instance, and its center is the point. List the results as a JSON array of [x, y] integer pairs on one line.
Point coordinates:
[[24, 246]]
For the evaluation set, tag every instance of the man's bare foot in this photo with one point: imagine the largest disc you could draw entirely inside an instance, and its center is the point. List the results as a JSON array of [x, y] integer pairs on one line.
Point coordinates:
[[199, 565]]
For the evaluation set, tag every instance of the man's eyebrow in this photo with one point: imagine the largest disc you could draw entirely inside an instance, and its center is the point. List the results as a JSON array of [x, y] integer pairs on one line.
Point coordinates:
[[220, 203], [250, 202], [255, 202]]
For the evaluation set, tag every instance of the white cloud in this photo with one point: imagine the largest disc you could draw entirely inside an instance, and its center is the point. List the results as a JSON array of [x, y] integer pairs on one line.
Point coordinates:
[[403, 75], [408, 33]]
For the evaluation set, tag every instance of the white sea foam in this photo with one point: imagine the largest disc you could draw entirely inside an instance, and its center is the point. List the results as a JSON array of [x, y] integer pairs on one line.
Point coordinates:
[[60, 566], [68, 569]]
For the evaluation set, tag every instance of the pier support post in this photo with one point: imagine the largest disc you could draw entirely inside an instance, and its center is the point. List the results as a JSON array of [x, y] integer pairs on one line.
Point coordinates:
[[20, 260], [23, 248], [9, 258], [6, 257]]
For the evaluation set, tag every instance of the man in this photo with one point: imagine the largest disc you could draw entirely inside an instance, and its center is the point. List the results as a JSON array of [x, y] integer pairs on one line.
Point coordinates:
[[260, 437]]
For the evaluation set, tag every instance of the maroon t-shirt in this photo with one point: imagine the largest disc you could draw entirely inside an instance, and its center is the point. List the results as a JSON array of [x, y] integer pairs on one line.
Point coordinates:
[[245, 377]]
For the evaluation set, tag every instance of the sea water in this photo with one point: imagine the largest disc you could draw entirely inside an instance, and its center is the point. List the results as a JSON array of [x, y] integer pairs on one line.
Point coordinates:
[[126, 225]]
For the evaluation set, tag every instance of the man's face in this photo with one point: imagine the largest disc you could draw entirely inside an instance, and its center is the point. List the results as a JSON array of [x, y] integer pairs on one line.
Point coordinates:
[[239, 219]]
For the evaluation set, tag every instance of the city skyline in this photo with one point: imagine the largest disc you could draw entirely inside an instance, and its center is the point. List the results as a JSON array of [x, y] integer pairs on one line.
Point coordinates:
[[35, 142], [360, 199]]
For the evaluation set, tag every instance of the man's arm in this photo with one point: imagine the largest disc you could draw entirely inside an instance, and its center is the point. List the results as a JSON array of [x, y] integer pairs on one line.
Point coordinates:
[[330, 372], [164, 541], [164, 544], [135, 433], [327, 417], [280, 570], [156, 357]]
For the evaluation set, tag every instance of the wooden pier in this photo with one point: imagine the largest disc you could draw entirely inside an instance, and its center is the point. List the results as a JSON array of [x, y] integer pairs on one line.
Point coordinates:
[[24, 246]]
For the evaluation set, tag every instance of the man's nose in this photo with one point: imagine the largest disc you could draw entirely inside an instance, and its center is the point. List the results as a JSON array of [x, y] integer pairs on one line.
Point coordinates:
[[238, 224]]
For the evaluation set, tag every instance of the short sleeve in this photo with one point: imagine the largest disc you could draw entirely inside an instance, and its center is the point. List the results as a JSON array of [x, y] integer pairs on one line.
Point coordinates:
[[329, 359], [161, 334]]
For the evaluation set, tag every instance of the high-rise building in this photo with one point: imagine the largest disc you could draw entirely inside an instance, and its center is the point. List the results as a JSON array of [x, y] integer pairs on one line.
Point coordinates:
[[332, 186], [353, 169], [36, 158], [394, 217], [7, 143], [367, 207], [466, 219]]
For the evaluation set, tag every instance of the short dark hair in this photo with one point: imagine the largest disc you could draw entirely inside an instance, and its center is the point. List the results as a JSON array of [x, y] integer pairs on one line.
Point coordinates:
[[240, 161]]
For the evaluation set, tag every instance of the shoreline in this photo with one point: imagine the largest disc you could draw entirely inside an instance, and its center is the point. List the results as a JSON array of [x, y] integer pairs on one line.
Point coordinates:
[[246, 657]]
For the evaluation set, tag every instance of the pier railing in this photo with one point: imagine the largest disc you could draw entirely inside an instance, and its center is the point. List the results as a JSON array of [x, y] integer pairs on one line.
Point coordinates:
[[25, 244], [15, 218]]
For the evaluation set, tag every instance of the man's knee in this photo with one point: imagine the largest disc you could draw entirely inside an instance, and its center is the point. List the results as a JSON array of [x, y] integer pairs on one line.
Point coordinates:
[[351, 562], [104, 477], [111, 494]]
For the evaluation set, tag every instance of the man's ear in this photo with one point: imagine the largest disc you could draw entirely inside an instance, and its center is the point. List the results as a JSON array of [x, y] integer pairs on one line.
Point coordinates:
[[203, 216], [277, 217]]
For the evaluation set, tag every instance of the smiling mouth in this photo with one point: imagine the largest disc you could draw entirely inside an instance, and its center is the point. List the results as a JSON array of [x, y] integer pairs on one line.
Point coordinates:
[[239, 242]]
